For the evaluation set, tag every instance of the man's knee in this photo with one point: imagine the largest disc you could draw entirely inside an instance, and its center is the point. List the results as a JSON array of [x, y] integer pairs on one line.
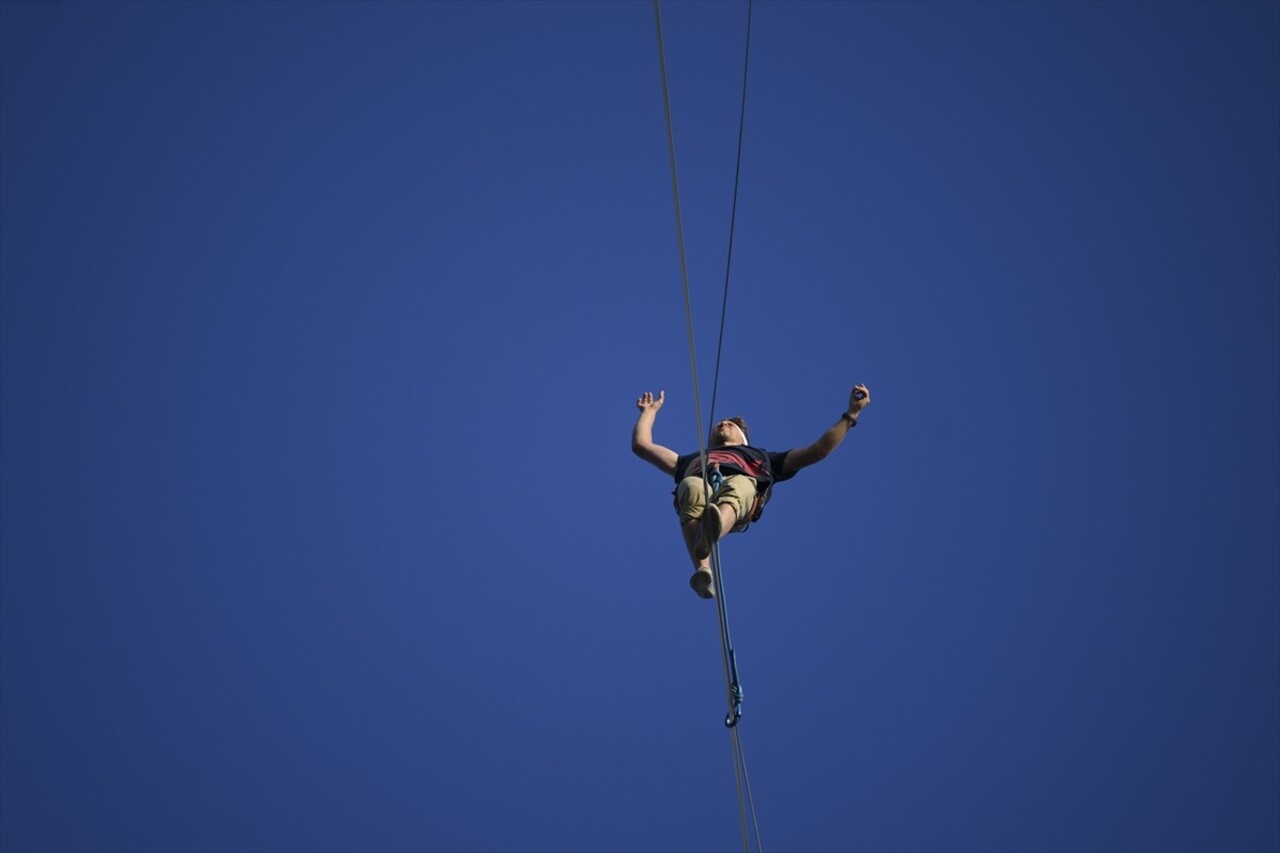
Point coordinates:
[[739, 494], [691, 498]]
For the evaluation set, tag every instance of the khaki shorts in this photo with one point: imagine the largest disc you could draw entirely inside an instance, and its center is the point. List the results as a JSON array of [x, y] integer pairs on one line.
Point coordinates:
[[738, 491]]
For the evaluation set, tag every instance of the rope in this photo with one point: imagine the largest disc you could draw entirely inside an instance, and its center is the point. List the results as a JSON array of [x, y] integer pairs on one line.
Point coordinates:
[[741, 779], [740, 757], [733, 212], [731, 666], [684, 266], [731, 670]]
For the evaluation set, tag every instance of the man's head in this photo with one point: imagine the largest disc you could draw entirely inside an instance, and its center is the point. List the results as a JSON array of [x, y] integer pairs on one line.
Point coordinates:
[[729, 431]]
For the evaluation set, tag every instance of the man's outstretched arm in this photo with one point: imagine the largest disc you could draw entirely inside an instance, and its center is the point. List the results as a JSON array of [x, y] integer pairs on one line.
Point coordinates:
[[803, 457], [663, 458]]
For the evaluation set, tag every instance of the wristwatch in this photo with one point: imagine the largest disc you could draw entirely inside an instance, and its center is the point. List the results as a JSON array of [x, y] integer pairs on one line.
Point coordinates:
[[853, 422]]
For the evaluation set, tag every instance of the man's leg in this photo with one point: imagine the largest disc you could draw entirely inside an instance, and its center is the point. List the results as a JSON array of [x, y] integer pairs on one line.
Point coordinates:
[[736, 498], [691, 499], [710, 534], [689, 527], [702, 580], [733, 503]]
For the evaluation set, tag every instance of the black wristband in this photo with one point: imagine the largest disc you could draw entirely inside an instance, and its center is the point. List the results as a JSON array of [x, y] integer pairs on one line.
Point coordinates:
[[853, 422]]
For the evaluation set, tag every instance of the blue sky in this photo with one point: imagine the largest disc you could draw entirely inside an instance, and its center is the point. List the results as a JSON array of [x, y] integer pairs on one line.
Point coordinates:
[[321, 327]]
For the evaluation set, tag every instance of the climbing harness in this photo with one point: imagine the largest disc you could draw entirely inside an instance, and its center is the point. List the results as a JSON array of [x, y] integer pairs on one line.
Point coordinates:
[[733, 684]]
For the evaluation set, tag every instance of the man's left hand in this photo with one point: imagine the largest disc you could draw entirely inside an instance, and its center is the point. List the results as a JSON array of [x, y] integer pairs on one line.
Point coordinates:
[[859, 397]]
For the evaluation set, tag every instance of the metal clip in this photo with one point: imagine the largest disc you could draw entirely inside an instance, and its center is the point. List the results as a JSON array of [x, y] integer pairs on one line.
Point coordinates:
[[735, 714], [715, 478]]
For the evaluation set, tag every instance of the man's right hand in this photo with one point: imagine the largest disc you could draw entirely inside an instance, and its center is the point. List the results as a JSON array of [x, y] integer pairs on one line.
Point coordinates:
[[663, 458], [647, 402]]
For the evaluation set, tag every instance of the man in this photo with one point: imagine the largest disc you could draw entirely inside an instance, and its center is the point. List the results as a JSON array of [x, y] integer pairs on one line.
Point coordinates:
[[749, 474]]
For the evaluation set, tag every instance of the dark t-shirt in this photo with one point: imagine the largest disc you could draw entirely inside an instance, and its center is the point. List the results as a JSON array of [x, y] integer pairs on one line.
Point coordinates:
[[761, 465]]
